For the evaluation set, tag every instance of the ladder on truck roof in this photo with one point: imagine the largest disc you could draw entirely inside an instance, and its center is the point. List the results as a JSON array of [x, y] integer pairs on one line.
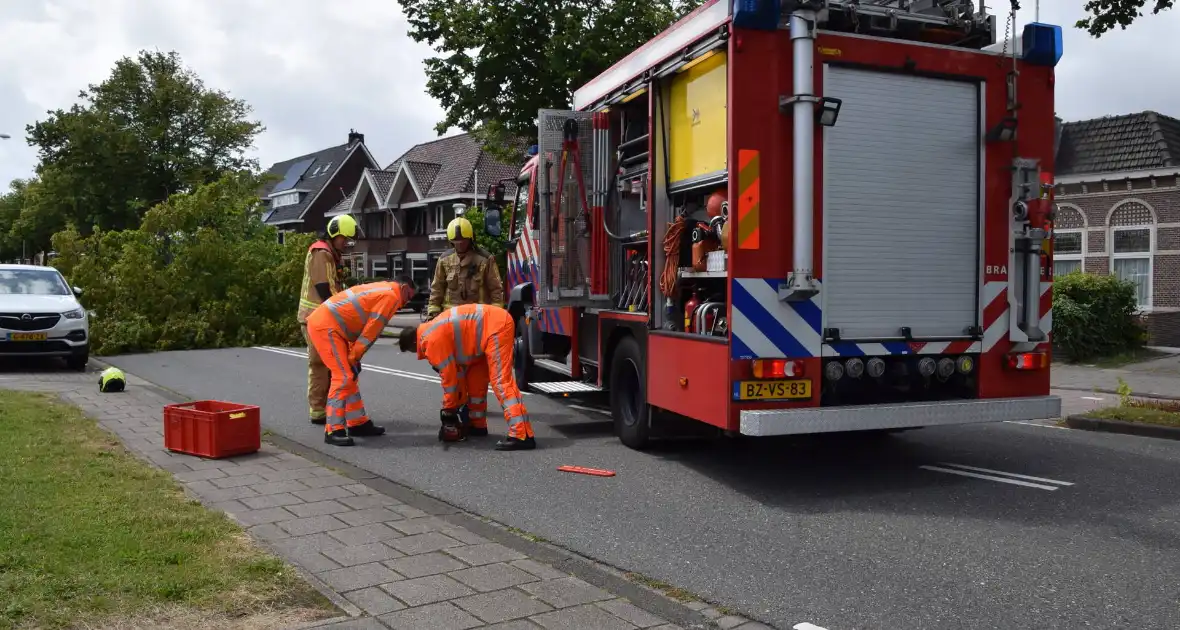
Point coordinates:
[[954, 22]]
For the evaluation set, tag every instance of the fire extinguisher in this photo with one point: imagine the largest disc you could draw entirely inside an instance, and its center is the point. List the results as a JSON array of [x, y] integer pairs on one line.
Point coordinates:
[[690, 307]]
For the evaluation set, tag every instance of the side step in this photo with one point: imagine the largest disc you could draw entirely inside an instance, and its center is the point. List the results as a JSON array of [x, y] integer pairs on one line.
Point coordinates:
[[561, 387]]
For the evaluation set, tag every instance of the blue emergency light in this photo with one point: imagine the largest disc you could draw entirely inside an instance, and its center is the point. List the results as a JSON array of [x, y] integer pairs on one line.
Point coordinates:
[[757, 14], [1041, 44], [533, 150]]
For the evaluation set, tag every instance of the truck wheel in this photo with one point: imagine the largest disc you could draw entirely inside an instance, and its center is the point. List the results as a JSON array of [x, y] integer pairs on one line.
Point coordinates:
[[522, 361], [628, 395]]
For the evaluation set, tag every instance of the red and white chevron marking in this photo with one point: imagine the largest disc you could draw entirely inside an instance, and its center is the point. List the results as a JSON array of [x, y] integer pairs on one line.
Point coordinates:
[[995, 313]]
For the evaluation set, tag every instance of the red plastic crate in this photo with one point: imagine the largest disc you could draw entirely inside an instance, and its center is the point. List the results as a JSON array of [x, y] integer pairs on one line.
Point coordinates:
[[213, 429]]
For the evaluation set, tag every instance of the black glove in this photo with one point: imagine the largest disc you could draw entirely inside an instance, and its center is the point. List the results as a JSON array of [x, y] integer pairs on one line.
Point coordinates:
[[356, 369]]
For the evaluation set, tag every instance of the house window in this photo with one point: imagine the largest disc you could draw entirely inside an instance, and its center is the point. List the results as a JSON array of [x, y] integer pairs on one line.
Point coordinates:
[[1069, 238], [440, 218], [415, 221], [380, 268], [288, 199], [398, 263], [1132, 241], [420, 272], [376, 225]]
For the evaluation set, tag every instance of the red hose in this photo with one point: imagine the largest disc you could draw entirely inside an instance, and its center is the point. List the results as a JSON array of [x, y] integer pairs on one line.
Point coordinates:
[[672, 256]]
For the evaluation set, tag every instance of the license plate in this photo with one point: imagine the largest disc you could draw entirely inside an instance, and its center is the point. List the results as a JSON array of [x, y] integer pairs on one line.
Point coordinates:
[[27, 336], [771, 390]]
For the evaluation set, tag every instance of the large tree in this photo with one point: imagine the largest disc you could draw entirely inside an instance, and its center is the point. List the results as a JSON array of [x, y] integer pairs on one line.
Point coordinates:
[[150, 130], [498, 61], [1104, 15]]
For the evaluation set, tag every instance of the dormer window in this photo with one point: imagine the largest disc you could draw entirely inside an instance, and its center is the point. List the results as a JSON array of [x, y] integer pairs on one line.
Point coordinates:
[[288, 199]]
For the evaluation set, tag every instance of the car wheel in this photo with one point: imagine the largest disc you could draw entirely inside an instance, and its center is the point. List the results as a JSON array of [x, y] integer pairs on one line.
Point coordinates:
[[78, 362], [628, 395]]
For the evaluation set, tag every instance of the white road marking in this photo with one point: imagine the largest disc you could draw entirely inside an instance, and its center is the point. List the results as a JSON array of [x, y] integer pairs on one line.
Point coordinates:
[[964, 473], [1006, 474], [807, 626], [1092, 398], [602, 411], [1034, 424]]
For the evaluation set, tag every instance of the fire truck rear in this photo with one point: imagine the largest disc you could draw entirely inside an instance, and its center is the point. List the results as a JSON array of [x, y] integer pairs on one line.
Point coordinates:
[[798, 217]]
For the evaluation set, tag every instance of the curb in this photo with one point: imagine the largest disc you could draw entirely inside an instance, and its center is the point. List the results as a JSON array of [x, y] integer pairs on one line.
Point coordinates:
[[589, 570], [1099, 390], [1127, 428]]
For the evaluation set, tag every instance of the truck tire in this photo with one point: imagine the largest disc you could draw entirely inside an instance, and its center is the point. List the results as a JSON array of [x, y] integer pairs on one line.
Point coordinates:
[[522, 360], [628, 395]]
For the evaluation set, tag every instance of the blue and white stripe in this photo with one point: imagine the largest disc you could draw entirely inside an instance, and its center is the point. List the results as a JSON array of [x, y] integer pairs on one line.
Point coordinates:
[[762, 326]]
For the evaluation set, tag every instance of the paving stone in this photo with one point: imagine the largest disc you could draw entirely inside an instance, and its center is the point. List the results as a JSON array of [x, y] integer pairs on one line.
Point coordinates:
[[422, 543], [309, 560], [289, 475], [491, 577], [237, 482], [518, 624], [442, 616], [427, 590], [425, 564], [367, 501], [566, 592], [351, 555], [248, 469], [581, 618], [216, 495], [230, 506], [711, 613], [364, 534], [271, 500], [362, 623], [629, 612], [258, 517], [291, 464], [418, 525], [268, 531], [749, 625], [486, 553], [311, 525], [543, 571], [316, 481], [360, 576], [671, 627], [278, 487], [322, 494], [409, 512], [319, 508], [312, 542], [374, 601], [205, 464], [199, 475], [370, 515], [503, 605], [360, 488], [463, 535], [729, 622]]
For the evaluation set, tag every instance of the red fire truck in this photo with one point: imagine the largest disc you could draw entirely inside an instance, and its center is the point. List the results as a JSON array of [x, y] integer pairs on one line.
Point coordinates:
[[787, 217]]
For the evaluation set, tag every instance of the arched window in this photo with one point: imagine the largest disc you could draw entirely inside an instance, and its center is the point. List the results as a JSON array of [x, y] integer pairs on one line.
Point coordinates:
[[1069, 240], [1132, 242]]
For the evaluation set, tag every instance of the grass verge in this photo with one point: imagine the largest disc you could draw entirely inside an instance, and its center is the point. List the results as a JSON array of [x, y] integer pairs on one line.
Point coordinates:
[[90, 536], [1161, 412]]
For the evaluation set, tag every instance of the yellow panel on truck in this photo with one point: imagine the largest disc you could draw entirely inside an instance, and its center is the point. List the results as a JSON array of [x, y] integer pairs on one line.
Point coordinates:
[[698, 119]]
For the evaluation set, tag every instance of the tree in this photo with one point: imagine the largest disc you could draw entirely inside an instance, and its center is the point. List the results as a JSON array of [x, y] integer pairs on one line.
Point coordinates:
[[499, 61], [1107, 14], [151, 130]]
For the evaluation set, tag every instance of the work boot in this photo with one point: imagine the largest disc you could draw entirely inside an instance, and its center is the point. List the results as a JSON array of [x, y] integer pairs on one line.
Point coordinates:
[[339, 437], [368, 429], [477, 431], [515, 444], [320, 421]]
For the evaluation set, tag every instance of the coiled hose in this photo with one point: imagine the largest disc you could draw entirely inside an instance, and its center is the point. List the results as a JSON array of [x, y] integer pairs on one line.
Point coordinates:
[[672, 255]]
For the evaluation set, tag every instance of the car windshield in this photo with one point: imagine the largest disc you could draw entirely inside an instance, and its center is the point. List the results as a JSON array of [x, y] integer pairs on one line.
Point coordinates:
[[32, 282]]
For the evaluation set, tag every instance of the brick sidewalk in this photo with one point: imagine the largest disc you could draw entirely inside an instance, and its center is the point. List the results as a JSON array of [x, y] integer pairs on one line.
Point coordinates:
[[389, 557], [1156, 378]]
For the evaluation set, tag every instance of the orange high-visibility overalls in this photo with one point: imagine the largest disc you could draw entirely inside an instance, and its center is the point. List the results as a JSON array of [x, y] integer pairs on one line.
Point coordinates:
[[469, 346], [343, 329]]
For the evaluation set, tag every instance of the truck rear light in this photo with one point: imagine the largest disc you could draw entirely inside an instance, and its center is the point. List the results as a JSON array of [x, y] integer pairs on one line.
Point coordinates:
[[875, 367], [834, 371], [1028, 361], [777, 368]]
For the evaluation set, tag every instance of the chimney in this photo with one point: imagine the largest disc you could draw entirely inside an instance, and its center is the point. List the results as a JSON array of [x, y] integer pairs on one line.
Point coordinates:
[[354, 137]]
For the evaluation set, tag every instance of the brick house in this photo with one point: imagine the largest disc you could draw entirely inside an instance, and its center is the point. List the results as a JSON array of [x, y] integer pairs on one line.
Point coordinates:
[[1118, 198], [405, 208], [306, 187]]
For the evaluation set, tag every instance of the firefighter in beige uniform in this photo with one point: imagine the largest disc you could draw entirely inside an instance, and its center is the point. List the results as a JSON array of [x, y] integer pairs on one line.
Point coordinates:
[[323, 277], [467, 276]]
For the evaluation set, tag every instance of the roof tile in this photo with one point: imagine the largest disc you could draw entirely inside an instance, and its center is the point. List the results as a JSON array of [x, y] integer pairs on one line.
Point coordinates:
[[1130, 142], [446, 167]]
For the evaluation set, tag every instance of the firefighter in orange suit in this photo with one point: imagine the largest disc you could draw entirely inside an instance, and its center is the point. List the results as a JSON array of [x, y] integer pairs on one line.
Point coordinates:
[[343, 329], [469, 346], [323, 277]]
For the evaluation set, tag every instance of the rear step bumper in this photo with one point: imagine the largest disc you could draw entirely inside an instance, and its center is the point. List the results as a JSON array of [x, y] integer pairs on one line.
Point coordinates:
[[897, 416]]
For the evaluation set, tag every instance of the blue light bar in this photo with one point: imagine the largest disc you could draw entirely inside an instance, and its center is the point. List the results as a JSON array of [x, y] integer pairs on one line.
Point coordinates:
[[1041, 44], [757, 14], [533, 150]]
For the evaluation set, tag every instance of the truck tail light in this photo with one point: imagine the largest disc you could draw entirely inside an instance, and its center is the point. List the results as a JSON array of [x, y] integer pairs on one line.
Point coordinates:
[[1028, 361], [777, 368]]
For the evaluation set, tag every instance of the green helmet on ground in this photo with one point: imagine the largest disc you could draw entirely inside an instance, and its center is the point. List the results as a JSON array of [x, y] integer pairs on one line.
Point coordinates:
[[112, 380]]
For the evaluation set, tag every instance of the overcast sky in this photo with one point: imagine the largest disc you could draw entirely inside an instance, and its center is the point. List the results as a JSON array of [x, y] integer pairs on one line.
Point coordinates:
[[312, 69]]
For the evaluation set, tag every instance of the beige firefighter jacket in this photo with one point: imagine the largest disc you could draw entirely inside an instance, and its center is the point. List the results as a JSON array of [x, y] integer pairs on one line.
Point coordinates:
[[472, 279]]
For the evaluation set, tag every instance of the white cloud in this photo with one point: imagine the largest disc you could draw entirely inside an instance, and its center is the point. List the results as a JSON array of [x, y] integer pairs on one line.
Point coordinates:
[[314, 68]]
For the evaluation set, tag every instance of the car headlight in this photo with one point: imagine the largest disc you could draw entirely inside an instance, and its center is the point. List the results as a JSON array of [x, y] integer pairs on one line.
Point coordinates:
[[74, 314]]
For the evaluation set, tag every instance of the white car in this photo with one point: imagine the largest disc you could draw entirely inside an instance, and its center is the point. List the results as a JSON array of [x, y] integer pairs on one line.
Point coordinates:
[[40, 316]]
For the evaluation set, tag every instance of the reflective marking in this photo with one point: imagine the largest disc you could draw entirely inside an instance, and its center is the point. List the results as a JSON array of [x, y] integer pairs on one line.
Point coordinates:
[[807, 626]]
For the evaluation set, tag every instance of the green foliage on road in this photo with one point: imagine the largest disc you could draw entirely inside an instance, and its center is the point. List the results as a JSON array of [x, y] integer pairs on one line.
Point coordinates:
[[201, 271], [1142, 410], [1104, 15], [1095, 316], [497, 62], [150, 130], [90, 536]]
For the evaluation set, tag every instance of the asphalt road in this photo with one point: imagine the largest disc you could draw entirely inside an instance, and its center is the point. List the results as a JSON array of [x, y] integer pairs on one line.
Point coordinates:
[[927, 529]]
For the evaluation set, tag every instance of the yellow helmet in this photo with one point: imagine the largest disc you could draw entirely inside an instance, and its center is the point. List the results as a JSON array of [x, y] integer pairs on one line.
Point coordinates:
[[459, 228], [343, 225], [111, 380]]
